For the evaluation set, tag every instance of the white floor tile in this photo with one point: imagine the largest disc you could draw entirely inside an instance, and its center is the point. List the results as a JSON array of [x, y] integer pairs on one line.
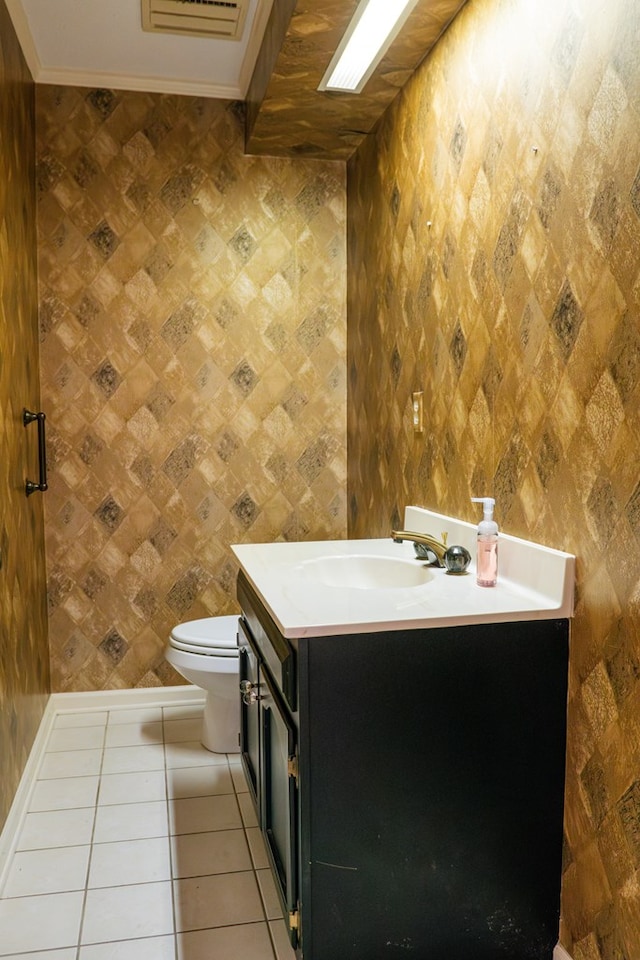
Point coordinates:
[[151, 948], [130, 821], [68, 954], [216, 901], [237, 774], [257, 848], [176, 731], [134, 734], [227, 906], [140, 910], [247, 810], [56, 828], [226, 943], [135, 715], [129, 862], [270, 898], [47, 871], [200, 854], [132, 787], [199, 781], [63, 794], [75, 738], [40, 923], [191, 753], [70, 763], [202, 814], [281, 942], [133, 759], [93, 718]]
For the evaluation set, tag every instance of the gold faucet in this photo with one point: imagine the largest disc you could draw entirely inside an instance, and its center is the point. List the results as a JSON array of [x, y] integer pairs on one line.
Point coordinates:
[[424, 544]]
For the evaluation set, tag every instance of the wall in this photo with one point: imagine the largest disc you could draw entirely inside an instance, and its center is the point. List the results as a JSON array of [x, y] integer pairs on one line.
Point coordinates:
[[24, 664], [193, 307], [494, 261]]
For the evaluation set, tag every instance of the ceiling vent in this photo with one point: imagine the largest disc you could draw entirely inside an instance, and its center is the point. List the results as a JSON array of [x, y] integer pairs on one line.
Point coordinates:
[[222, 19]]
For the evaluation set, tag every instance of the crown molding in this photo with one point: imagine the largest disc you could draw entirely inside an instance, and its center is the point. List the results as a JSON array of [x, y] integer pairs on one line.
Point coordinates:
[[254, 43], [119, 81], [25, 37]]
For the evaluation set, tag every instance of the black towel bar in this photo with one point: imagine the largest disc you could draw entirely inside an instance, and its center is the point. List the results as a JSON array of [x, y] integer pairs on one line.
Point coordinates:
[[29, 486]]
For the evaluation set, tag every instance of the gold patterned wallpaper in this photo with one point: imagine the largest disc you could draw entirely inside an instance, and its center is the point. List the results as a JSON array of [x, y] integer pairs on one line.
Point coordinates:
[[288, 115], [494, 262], [24, 664], [193, 310]]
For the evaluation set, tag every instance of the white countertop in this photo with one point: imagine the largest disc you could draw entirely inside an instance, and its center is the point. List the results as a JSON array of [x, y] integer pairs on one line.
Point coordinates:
[[534, 583]]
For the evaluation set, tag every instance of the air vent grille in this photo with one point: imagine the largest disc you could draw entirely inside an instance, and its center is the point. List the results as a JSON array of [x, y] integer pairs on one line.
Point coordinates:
[[222, 19]]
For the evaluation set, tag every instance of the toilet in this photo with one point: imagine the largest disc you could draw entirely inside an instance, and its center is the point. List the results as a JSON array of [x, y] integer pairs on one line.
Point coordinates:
[[206, 653]]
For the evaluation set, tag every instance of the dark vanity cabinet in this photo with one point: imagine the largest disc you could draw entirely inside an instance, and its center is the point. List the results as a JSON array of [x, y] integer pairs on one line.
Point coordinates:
[[409, 785], [249, 711], [269, 752]]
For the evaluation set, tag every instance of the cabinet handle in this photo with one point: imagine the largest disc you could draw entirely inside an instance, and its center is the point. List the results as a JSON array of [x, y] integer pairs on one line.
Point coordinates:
[[251, 697], [249, 692], [293, 768], [29, 486]]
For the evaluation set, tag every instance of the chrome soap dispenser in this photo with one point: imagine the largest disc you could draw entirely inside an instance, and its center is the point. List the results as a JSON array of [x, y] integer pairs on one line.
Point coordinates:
[[487, 556]]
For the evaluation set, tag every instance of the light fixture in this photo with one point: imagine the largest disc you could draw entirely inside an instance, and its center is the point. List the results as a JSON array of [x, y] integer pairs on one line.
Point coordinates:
[[373, 26]]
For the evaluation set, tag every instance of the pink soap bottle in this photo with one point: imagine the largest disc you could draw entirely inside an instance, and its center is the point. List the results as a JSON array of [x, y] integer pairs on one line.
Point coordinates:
[[487, 556]]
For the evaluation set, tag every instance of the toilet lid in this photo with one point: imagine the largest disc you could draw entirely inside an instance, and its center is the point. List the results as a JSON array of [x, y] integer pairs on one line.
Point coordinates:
[[229, 653], [216, 636]]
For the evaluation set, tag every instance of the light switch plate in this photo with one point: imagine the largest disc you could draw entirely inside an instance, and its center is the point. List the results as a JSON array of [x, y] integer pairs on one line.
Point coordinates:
[[417, 411]]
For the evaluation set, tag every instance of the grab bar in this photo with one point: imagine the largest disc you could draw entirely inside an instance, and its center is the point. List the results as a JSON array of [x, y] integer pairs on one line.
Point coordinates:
[[29, 486]]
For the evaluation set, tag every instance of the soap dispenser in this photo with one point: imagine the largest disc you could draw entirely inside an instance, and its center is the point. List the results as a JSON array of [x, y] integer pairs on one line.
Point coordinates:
[[487, 556]]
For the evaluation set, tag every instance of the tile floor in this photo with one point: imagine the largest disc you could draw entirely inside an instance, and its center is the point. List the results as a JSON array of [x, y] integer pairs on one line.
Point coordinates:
[[139, 844]]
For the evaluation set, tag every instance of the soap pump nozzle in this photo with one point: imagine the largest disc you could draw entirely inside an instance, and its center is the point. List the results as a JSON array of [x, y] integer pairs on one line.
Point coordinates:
[[488, 503]]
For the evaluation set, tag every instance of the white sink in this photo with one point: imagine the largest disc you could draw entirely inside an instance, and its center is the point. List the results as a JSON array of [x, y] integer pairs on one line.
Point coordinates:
[[329, 588], [364, 572]]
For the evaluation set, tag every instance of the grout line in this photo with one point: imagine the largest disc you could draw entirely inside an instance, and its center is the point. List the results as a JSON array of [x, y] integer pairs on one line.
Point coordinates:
[[254, 869], [171, 864], [235, 791], [91, 843]]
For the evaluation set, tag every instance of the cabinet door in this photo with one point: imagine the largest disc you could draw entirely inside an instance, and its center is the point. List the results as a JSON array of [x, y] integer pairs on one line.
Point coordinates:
[[249, 712], [279, 797]]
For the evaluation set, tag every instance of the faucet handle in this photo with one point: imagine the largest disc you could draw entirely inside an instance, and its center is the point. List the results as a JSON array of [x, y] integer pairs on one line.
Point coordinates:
[[444, 536]]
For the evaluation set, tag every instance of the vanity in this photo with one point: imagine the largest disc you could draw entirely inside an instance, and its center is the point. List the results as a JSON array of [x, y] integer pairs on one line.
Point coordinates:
[[403, 736]]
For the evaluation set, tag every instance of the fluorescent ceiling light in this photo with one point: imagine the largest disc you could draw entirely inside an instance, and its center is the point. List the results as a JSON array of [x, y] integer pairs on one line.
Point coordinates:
[[373, 26]]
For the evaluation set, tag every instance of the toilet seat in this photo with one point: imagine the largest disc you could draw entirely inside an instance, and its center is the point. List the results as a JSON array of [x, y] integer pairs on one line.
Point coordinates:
[[206, 653], [210, 637]]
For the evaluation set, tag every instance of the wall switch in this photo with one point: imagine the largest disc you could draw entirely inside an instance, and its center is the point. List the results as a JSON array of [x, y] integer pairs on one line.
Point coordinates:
[[417, 408]]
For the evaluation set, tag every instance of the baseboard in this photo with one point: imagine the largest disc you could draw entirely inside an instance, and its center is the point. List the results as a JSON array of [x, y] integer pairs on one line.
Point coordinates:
[[20, 805], [78, 703], [126, 699], [560, 953]]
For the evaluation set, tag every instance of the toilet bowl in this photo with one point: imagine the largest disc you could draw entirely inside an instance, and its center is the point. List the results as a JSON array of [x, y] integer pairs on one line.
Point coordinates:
[[206, 653]]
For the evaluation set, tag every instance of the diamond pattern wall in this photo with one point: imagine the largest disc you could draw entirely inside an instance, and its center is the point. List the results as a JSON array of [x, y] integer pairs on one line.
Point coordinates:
[[193, 358], [494, 262]]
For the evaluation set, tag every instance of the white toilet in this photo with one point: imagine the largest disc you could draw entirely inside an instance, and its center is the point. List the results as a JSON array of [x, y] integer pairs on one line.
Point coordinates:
[[206, 653]]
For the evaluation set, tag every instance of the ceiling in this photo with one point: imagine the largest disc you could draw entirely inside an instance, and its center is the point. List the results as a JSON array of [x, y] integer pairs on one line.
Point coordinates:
[[101, 43], [275, 67]]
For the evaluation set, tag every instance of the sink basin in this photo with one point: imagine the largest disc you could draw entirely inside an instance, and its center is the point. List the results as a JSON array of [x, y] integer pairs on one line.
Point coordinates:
[[364, 572], [385, 589]]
